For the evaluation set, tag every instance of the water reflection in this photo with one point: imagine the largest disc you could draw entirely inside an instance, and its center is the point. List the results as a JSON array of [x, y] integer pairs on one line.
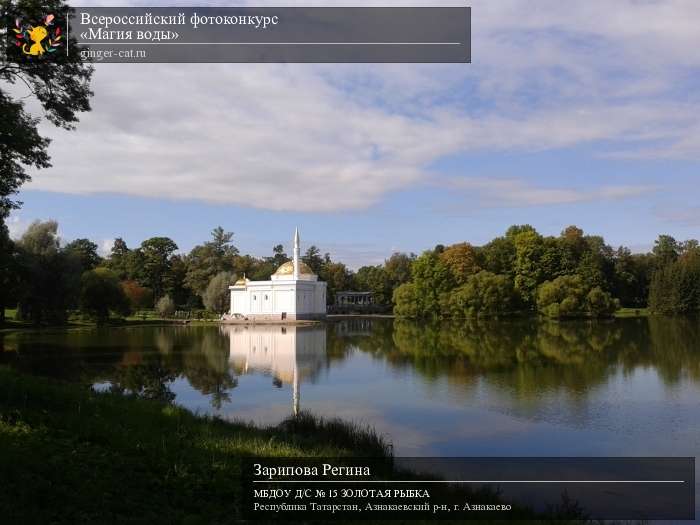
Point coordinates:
[[290, 354], [524, 360]]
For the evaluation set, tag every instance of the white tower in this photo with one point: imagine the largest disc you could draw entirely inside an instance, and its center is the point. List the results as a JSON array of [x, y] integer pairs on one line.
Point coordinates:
[[296, 254]]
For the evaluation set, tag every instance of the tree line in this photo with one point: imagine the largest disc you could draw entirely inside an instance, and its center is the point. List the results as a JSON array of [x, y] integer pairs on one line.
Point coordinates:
[[565, 276], [571, 275]]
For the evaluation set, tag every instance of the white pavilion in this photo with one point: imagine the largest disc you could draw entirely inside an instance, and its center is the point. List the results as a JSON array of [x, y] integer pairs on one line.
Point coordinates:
[[293, 293]]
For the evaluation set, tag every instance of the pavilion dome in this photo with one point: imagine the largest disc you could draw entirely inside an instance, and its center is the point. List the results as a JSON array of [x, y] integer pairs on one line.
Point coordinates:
[[287, 269]]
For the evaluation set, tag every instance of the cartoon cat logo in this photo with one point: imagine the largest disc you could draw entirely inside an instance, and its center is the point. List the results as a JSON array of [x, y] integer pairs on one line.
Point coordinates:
[[39, 39]]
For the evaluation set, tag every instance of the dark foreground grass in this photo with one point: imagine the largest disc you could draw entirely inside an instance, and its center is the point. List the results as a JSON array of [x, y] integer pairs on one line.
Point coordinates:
[[69, 455]]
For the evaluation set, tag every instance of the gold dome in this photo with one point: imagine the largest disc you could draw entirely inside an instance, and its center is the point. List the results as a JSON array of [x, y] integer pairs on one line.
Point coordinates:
[[288, 269]]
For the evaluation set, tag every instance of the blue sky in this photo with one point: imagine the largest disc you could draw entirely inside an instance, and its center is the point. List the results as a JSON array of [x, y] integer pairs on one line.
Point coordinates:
[[563, 118]]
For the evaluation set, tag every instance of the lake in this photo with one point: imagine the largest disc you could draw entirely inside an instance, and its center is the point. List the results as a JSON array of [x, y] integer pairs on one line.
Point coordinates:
[[629, 387]]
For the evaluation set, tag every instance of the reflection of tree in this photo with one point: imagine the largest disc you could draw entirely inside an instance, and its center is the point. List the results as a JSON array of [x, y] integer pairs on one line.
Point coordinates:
[[148, 380], [528, 357], [207, 368]]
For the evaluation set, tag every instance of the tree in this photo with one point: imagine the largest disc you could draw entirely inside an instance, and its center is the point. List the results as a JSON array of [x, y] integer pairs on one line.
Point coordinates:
[[165, 306], [430, 278], [8, 270], [529, 249], [61, 86], [462, 260], [337, 277], [208, 259], [278, 256], [101, 293], [375, 279], [313, 259], [217, 295], [498, 256], [139, 296], [666, 250], [157, 255], [86, 252], [484, 293], [398, 268], [675, 286], [49, 276], [571, 296], [406, 301]]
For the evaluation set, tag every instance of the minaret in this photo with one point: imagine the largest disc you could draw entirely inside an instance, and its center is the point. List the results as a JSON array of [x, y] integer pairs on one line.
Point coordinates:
[[296, 254]]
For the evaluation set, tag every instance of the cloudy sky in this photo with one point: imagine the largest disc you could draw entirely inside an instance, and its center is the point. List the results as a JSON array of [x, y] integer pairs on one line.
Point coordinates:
[[570, 113]]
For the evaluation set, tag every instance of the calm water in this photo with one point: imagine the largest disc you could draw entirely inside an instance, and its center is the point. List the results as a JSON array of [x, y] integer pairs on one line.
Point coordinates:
[[628, 387]]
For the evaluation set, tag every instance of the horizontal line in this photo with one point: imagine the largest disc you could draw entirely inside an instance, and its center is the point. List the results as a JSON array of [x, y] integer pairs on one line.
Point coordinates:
[[270, 43], [476, 481]]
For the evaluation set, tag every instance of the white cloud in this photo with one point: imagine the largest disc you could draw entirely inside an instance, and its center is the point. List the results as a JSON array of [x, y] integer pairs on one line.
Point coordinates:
[[336, 137], [517, 192]]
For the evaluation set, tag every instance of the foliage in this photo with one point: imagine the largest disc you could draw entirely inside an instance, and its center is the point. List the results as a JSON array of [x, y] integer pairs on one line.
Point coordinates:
[[60, 85], [209, 259], [216, 296], [102, 293], [86, 252], [156, 254], [675, 287], [139, 297], [483, 294], [165, 306], [49, 276], [461, 259], [571, 296]]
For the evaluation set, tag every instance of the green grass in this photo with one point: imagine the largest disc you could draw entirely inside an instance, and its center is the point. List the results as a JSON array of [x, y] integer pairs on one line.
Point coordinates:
[[70, 455], [632, 312]]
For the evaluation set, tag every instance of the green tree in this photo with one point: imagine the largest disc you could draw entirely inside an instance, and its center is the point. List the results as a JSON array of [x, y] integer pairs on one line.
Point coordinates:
[[483, 294], [430, 278], [49, 277], [208, 259], [571, 296], [9, 276], [157, 253], [498, 256], [406, 303], [313, 259], [61, 85], [216, 297], [675, 286], [101, 294], [86, 252], [529, 250], [375, 279]]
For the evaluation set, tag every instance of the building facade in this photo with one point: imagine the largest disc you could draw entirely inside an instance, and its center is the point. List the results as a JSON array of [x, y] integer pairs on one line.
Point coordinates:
[[293, 293]]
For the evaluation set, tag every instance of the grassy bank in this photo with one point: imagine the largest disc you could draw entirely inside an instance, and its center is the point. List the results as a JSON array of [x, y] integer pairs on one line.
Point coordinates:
[[70, 455]]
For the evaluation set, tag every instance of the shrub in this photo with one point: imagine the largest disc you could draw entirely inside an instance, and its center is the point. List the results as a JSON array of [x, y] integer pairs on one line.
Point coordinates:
[[101, 293], [569, 296], [165, 306]]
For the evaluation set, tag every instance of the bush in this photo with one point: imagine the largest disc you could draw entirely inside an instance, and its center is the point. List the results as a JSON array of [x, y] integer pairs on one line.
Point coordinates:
[[165, 306], [483, 294], [101, 293], [569, 296], [405, 301], [216, 297]]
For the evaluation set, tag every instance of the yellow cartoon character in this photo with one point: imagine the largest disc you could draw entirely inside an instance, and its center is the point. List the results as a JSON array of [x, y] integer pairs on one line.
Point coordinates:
[[36, 34]]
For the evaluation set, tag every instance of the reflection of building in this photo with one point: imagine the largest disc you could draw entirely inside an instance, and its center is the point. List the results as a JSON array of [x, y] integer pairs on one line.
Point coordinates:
[[292, 293], [290, 354]]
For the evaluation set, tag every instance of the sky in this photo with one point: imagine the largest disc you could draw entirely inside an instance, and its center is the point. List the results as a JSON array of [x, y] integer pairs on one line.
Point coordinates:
[[579, 113]]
